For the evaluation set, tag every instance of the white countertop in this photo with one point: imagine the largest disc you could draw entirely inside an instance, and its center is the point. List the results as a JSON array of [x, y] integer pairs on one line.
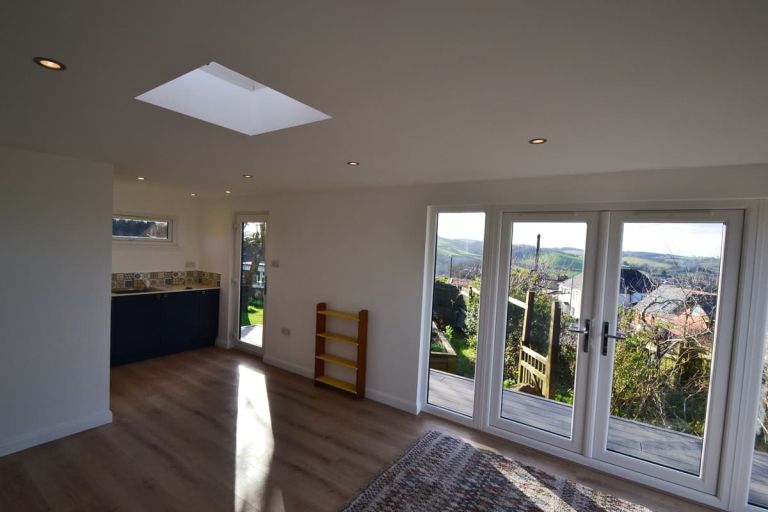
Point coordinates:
[[170, 289]]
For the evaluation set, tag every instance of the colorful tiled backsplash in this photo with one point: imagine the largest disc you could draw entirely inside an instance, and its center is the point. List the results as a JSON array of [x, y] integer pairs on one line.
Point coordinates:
[[136, 279]]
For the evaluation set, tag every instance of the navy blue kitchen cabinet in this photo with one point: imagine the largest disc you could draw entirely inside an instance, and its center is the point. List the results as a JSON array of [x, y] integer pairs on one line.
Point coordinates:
[[156, 324], [208, 316], [135, 328]]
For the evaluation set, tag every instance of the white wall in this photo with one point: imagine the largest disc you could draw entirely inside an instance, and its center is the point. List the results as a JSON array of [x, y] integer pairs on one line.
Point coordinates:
[[146, 198], [55, 302], [365, 248]]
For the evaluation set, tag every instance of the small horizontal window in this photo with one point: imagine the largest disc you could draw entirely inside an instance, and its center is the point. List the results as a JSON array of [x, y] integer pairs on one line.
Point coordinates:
[[138, 228]]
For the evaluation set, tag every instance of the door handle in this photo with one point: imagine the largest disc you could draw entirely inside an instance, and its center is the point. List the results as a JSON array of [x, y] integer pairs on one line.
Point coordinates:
[[606, 337], [584, 332]]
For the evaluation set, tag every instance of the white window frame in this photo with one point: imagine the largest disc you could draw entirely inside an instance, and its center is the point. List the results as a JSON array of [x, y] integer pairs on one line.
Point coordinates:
[[749, 334], [132, 240], [747, 366], [485, 324], [233, 338]]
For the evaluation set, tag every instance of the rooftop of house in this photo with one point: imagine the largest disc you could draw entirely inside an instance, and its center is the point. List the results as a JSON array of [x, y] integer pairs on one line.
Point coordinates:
[[670, 300]]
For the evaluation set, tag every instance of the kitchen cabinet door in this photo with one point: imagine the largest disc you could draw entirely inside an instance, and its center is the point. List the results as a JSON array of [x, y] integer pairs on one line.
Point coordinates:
[[135, 328], [209, 317], [180, 321]]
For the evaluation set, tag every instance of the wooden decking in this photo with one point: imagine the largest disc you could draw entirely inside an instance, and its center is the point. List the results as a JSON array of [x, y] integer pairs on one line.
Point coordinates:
[[661, 446]]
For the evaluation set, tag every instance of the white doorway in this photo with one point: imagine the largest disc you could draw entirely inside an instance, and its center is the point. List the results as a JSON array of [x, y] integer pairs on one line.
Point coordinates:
[[251, 281]]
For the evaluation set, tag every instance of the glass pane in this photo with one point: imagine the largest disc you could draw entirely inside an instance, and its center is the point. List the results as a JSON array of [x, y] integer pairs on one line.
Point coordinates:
[[131, 227], [252, 283], [668, 291], [545, 294], [758, 486], [456, 310]]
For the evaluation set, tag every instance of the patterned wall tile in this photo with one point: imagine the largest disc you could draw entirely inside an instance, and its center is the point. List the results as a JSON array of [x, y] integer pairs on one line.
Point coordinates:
[[166, 278]]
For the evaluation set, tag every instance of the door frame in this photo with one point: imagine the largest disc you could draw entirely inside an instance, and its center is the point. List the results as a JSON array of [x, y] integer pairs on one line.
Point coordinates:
[[748, 363], [583, 359], [485, 323], [234, 334], [747, 336], [707, 479]]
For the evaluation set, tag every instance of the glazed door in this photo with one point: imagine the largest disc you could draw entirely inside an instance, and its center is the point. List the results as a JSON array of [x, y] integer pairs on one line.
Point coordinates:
[[251, 245], [665, 341], [544, 332]]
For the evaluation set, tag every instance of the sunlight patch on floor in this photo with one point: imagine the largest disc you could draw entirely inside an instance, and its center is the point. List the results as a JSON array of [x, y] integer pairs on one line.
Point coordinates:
[[255, 442]]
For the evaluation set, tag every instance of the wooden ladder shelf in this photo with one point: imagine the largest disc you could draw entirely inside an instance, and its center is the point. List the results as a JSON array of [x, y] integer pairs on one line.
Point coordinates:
[[322, 335]]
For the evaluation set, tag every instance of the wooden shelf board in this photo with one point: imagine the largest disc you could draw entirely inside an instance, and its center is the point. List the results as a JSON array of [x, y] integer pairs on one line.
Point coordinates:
[[338, 337], [336, 383], [339, 314], [349, 363]]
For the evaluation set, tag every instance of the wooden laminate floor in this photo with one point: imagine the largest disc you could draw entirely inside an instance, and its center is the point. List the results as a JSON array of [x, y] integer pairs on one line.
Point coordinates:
[[216, 430]]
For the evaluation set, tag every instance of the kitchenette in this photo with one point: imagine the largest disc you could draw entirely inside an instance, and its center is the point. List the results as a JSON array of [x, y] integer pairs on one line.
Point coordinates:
[[160, 313]]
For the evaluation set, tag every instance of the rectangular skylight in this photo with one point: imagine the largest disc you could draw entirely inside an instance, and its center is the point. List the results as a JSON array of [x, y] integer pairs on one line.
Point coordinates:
[[218, 95]]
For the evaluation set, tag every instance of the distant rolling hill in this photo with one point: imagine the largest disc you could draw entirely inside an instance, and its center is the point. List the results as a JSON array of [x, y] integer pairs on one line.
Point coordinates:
[[465, 254], [459, 253], [560, 260]]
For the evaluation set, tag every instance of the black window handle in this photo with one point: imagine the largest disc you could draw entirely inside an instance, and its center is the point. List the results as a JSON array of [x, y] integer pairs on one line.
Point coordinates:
[[606, 337], [584, 332]]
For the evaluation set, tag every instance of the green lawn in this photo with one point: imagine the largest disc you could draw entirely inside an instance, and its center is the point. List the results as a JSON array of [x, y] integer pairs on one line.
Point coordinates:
[[255, 316], [466, 354]]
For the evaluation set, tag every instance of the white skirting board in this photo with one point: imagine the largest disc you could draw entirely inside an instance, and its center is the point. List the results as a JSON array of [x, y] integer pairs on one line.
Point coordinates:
[[372, 394], [44, 435], [293, 368]]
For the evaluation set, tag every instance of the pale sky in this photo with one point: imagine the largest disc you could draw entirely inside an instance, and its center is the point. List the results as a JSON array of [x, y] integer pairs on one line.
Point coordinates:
[[250, 228], [688, 239], [553, 234], [681, 239], [461, 225]]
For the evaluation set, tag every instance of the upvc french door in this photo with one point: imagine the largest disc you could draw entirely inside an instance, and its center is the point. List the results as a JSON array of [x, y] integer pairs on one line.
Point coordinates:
[[543, 323], [669, 342], [613, 335]]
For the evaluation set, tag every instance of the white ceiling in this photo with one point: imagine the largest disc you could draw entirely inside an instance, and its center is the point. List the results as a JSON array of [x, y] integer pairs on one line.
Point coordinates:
[[419, 91]]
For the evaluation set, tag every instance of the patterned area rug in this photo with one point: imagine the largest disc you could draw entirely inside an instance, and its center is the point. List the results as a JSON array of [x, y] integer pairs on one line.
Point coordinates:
[[442, 473]]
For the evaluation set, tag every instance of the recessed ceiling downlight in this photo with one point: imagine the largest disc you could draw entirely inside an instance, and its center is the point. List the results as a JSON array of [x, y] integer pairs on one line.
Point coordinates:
[[51, 64], [247, 176], [219, 95], [140, 178], [537, 141], [353, 163]]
